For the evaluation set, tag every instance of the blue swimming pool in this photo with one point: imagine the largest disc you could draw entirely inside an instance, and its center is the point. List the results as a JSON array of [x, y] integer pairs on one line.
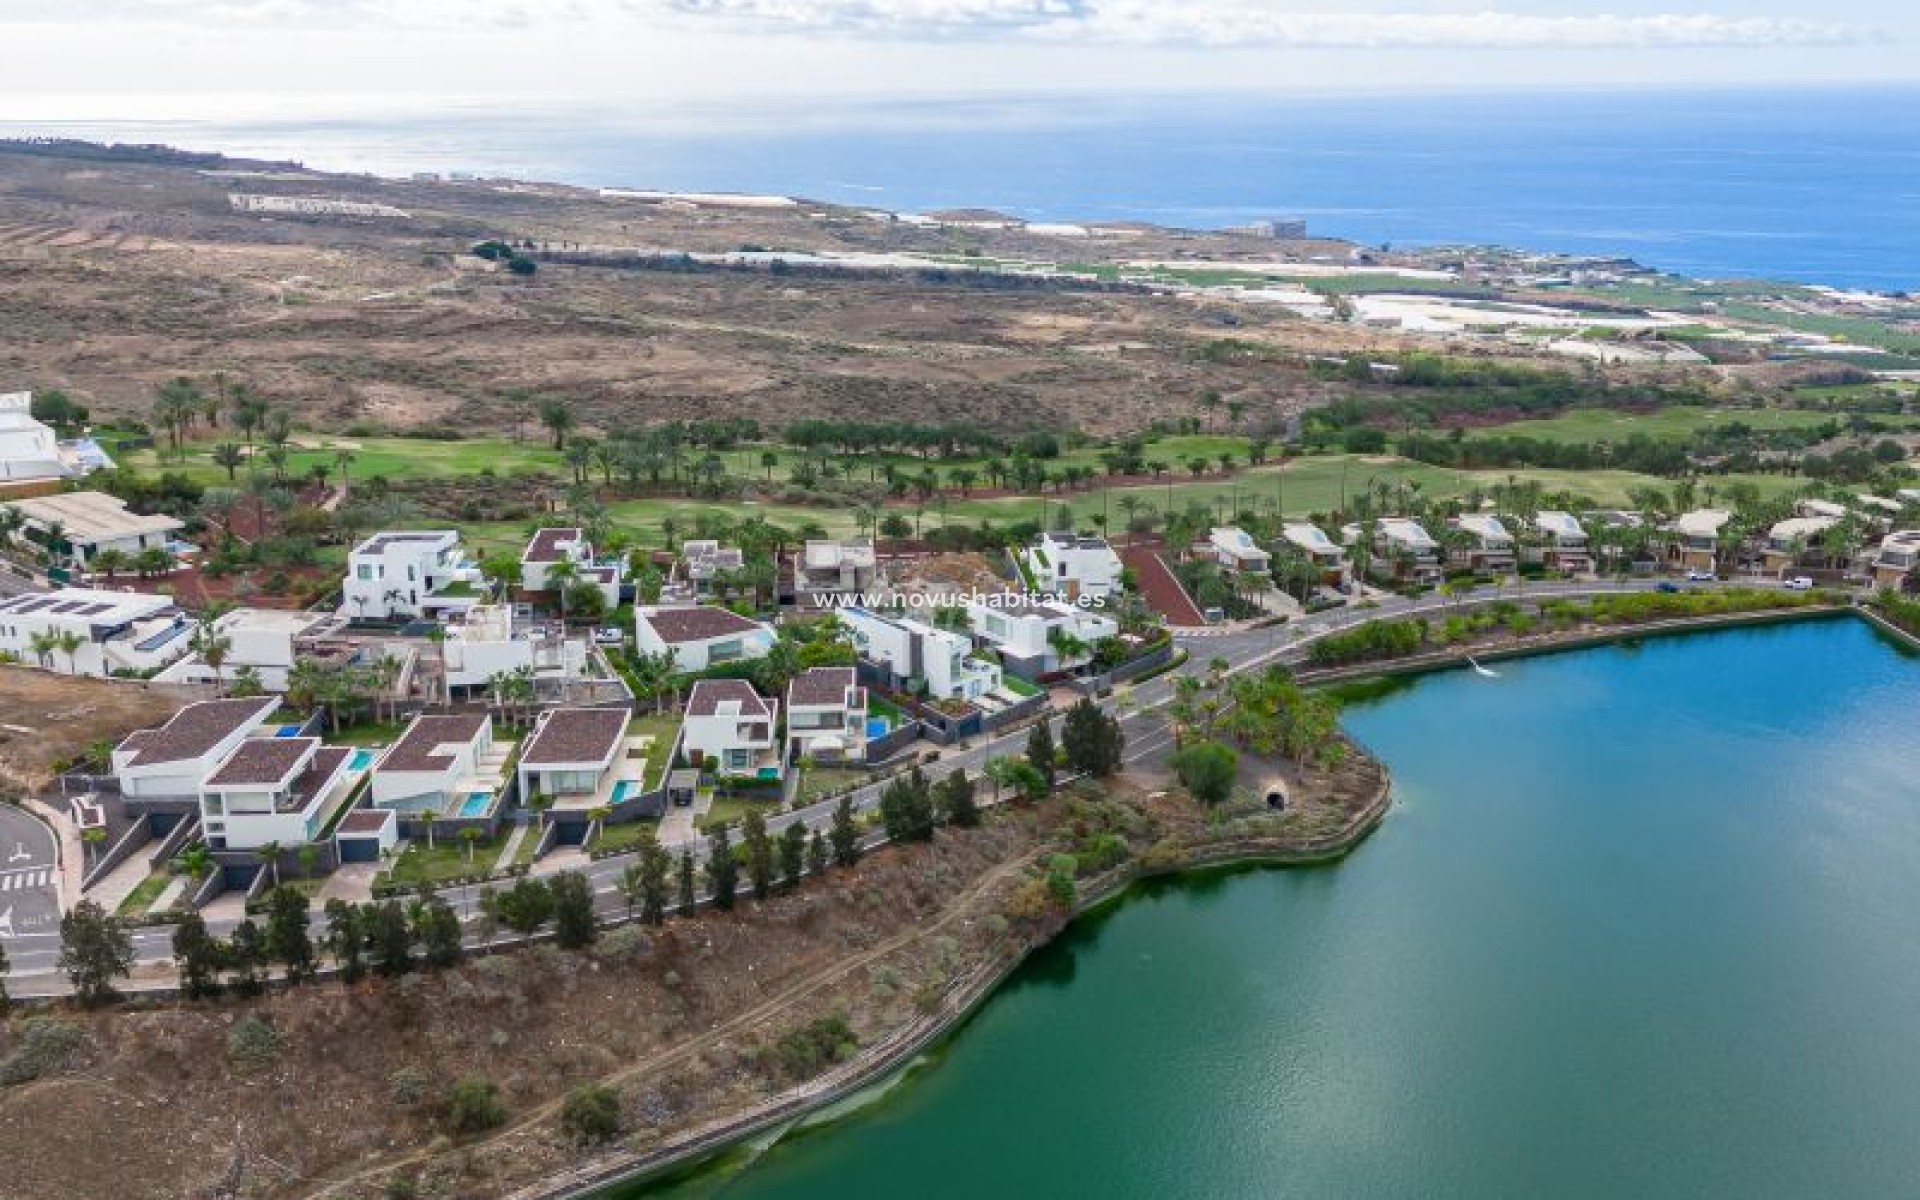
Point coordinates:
[[877, 727], [361, 760], [625, 790], [476, 804], [288, 731]]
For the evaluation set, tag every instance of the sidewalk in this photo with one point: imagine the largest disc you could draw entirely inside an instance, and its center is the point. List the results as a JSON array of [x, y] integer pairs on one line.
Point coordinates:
[[121, 881], [73, 855], [511, 849]]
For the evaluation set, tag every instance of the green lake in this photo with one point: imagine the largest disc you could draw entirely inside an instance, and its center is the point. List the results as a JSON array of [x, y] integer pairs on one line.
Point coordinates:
[[1643, 923]]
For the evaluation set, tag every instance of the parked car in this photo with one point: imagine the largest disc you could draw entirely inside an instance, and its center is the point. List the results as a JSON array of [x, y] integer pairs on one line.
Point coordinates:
[[608, 635], [1668, 586], [1800, 583], [1698, 576]]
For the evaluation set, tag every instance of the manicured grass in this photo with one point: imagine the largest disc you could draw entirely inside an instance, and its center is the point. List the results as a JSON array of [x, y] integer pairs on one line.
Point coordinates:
[[1585, 425], [144, 893], [448, 858], [728, 810], [880, 706], [391, 457], [624, 835], [820, 782], [366, 733], [663, 728], [1018, 686]]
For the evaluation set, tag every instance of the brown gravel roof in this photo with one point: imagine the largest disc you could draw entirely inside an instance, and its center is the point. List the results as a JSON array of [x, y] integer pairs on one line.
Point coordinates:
[[196, 729], [677, 625], [415, 751], [821, 687], [574, 735]]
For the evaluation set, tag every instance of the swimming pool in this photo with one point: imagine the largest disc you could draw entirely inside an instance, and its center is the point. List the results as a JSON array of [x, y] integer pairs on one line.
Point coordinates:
[[877, 727], [625, 790], [476, 804], [287, 731], [361, 760]]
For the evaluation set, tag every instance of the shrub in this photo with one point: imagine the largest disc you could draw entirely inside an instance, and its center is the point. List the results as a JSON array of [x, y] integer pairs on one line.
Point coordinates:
[[45, 1045], [474, 1106], [591, 1114], [252, 1046], [408, 1086], [804, 1052]]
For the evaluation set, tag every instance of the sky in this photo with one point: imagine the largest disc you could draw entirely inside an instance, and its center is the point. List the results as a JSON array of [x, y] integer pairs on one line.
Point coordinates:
[[187, 59]]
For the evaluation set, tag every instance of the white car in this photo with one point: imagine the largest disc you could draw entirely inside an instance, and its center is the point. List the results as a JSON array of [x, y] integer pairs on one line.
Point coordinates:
[[1698, 576], [609, 635], [1799, 583]]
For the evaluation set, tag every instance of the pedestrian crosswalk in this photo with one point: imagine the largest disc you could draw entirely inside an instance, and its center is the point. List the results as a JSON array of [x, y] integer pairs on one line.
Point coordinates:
[[31, 877]]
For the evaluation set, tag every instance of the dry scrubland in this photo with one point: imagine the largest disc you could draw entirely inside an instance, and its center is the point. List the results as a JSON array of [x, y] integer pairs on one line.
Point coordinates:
[[117, 276], [330, 1090]]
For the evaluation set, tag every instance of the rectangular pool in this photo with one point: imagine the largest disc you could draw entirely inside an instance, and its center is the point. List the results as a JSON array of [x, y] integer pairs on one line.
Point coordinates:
[[625, 790], [361, 760], [477, 804]]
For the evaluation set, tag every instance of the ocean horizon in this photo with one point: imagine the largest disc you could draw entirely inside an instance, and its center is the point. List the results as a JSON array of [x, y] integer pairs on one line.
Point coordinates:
[[1809, 186]]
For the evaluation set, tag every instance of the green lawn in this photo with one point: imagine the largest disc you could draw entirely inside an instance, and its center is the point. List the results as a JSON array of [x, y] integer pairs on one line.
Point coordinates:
[[366, 733], [391, 457], [448, 859], [624, 835], [727, 810], [144, 893], [663, 728], [820, 782], [1584, 425]]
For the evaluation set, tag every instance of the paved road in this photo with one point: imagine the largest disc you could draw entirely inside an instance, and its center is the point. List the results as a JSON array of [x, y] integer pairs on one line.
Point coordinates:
[[1142, 717], [29, 890]]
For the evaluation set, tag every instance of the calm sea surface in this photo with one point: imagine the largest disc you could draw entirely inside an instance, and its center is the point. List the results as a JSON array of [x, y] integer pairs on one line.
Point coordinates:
[[1821, 187], [1642, 925]]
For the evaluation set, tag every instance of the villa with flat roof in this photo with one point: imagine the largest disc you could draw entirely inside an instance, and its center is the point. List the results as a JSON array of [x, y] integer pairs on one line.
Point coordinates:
[[1040, 637], [171, 762], [276, 790], [733, 730], [704, 564], [823, 569], [267, 641], [90, 524], [29, 450], [405, 575], [700, 636], [917, 657], [582, 759], [118, 632], [448, 765], [1073, 565]]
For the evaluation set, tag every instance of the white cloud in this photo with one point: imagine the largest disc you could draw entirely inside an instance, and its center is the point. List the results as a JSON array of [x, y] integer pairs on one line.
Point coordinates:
[[1218, 23]]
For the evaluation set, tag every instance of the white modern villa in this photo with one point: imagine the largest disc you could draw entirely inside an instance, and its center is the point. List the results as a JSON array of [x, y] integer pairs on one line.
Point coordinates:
[[449, 765], [30, 451], [77, 631], [827, 716], [88, 524], [918, 657], [403, 575], [1038, 637], [733, 730], [1074, 566], [172, 761], [277, 791]]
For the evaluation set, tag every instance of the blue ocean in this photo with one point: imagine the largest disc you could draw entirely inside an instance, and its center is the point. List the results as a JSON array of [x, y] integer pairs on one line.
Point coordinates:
[[1811, 186]]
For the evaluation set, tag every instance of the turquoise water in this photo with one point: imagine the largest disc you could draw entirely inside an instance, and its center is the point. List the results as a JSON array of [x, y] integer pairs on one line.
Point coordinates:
[[476, 804], [625, 789], [877, 727], [361, 760], [1641, 925]]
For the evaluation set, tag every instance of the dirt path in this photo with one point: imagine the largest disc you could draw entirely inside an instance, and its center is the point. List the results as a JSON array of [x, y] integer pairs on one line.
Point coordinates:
[[961, 906]]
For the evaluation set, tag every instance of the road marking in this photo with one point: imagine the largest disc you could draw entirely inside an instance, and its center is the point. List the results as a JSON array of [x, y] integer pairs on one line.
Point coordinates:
[[31, 877], [20, 851]]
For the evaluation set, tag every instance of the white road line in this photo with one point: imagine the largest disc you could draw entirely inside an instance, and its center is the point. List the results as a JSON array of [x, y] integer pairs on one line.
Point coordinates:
[[29, 878]]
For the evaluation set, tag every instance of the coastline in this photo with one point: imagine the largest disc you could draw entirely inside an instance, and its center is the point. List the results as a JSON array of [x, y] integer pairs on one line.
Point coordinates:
[[962, 1000]]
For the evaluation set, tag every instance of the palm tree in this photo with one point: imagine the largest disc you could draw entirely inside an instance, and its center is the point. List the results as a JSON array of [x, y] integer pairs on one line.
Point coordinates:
[[343, 459], [471, 836], [427, 817], [213, 648], [560, 577], [69, 643], [557, 417], [230, 456], [269, 854], [111, 562]]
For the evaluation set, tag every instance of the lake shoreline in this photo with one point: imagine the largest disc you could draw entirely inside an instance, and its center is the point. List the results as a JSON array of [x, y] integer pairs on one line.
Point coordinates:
[[966, 996]]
